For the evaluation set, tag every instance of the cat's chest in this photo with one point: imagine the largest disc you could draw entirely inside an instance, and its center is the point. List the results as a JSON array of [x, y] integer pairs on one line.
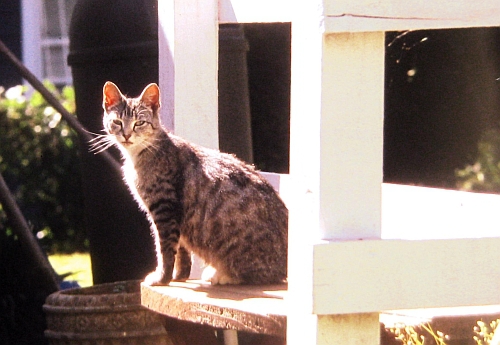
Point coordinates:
[[142, 177], [139, 185], [129, 173]]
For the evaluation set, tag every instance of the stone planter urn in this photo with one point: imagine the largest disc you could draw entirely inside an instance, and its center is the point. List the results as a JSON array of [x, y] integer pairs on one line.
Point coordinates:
[[102, 314]]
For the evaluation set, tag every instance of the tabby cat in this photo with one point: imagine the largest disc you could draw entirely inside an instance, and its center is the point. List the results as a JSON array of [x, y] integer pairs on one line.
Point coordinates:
[[198, 200]]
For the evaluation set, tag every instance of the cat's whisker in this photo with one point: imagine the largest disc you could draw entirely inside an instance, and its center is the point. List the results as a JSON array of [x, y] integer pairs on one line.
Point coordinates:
[[102, 145], [156, 143], [151, 147], [102, 148], [94, 134], [99, 137], [99, 140], [98, 144]]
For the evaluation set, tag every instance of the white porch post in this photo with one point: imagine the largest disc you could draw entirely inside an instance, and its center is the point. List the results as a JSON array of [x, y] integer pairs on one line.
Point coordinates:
[[188, 52], [336, 164], [188, 63]]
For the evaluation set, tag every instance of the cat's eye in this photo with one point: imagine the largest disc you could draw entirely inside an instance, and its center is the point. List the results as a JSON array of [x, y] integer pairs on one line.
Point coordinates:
[[117, 122], [139, 123]]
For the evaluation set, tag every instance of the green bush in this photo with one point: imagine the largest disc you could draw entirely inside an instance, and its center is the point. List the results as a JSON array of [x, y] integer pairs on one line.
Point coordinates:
[[484, 174], [39, 162], [423, 333]]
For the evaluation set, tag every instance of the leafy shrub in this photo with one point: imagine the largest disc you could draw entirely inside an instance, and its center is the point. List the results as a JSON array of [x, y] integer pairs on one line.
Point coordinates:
[[423, 333], [39, 162], [418, 335], [484, 174], [484, 333]]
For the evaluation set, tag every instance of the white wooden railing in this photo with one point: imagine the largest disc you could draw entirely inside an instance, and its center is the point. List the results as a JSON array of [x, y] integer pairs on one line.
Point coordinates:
[[341, 273]]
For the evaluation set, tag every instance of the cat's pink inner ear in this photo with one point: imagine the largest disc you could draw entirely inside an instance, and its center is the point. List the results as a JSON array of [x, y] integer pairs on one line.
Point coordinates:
[[111, 95], [151, 96]]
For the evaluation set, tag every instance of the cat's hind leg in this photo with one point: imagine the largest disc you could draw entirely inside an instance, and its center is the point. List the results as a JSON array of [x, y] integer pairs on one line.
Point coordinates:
[[182, 268]]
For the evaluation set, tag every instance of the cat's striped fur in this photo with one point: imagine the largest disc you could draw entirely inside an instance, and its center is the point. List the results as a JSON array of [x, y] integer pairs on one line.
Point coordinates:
[[197, 199]]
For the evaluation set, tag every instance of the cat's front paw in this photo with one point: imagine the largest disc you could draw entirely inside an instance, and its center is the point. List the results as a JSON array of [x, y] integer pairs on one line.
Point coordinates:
[[156, 278]]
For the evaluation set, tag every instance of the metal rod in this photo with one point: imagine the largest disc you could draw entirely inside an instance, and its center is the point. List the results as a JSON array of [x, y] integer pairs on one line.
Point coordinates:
[[28, 242]]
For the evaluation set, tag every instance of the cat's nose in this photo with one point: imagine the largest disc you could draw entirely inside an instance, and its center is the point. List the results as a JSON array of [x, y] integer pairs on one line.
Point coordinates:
[[127, 136]]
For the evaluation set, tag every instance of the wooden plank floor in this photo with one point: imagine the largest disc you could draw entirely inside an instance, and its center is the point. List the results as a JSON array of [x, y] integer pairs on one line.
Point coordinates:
[[262, 309], [258, 309]]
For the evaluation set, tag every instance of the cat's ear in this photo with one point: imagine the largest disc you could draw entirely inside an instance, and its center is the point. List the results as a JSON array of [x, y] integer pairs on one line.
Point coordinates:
[[151, 96], [111, 95]]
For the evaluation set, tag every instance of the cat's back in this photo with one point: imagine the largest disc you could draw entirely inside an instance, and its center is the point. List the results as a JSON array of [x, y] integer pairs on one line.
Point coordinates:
[[217, 173], [232, 215], [206, 176]]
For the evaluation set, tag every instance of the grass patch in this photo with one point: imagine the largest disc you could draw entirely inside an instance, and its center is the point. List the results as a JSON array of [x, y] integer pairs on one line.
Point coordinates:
[[78, 264]]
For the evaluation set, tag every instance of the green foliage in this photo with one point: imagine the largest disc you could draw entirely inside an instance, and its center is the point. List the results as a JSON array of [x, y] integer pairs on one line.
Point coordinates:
[[484, 333], [38, 160], [422, 334], [77, 265], [418, 335], [484, 174]]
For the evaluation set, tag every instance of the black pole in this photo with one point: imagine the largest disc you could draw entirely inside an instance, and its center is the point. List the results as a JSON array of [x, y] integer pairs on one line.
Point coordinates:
[[124, 49]]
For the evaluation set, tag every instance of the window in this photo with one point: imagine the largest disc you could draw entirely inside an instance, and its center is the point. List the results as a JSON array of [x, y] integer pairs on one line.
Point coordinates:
[[46, 39]]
